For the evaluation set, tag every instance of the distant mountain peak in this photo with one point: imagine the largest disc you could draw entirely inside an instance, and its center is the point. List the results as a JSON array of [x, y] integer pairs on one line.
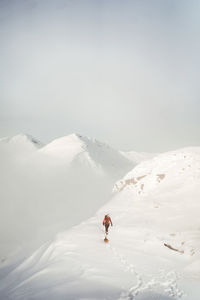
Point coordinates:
[[75, 140], [81, 149], [22, 138]]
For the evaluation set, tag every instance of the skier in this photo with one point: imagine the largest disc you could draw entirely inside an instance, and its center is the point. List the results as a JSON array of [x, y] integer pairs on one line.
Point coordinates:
[[106, 222]]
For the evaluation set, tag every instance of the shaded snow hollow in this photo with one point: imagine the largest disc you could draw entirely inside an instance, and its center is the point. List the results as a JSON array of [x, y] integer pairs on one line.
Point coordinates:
[[135, 264]]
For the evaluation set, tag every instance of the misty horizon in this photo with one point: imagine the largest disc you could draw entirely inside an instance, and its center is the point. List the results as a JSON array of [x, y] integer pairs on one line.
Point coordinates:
[[123, 72], [35, 138]]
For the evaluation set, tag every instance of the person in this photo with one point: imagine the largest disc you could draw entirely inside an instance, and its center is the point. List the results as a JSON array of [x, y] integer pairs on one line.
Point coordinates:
[[107, 222]]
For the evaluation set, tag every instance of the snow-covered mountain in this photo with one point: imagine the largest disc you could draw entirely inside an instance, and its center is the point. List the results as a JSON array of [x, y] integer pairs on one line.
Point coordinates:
[[21, 142], [48, 188], [153, 252], [89, 152]]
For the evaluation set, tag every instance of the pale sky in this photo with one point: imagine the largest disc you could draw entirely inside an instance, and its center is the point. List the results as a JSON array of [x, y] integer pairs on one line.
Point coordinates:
[[124, 72]]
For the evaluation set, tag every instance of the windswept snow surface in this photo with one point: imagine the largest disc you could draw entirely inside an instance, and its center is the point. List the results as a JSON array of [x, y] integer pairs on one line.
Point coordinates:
[[157, 203]]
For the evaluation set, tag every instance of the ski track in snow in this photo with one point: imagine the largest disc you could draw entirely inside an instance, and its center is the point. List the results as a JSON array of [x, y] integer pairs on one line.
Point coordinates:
[[167, 282]]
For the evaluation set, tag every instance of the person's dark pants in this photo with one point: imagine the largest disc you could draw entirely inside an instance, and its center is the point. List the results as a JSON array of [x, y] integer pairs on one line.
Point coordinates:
[[106, 227]]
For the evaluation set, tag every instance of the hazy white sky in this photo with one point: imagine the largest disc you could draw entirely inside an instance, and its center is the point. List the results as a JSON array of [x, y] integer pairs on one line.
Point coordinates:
[[126, 72]]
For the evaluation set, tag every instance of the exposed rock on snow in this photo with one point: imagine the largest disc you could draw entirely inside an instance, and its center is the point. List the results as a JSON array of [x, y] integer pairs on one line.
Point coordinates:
[[172, 248], [164, 171]]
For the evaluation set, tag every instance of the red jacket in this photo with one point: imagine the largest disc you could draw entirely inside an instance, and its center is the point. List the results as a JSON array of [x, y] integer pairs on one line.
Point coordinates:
[[107, 220]]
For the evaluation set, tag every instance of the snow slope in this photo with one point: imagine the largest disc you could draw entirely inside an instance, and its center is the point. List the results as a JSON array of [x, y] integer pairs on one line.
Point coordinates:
[[156, 203]]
